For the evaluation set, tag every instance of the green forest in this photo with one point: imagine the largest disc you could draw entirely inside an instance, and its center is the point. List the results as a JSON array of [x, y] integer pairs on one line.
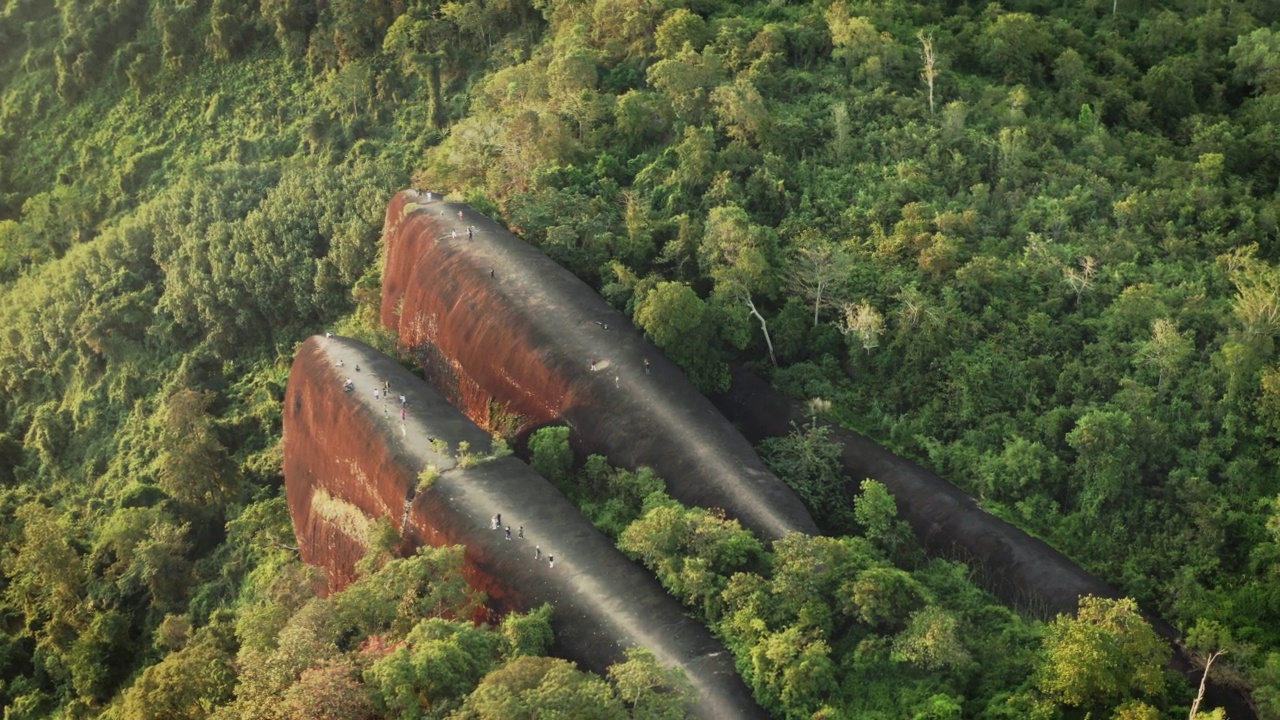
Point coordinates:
[[1032, 245]]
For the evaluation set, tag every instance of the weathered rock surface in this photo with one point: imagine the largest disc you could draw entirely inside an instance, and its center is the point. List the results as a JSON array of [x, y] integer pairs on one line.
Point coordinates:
[[350, 458], [495, 323]]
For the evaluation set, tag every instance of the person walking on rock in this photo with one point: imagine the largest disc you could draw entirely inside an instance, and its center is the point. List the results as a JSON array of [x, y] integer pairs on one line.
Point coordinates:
[[537, 552]]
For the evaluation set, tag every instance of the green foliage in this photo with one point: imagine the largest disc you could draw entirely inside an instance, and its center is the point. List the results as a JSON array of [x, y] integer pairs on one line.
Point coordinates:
[[810, 464], [692, 551], [651, 692], [439, 664], [876, 512], [194, 466], [1049, 294], [680, 323], [550, 453], [527, 634], [1254, 56], [1107, 653], [930, 640], [882, 597], [429, 583], [542, 686], [188, 682]]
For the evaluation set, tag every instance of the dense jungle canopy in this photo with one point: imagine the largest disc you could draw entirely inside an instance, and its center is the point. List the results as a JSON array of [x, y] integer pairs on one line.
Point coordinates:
[[1031, 244]]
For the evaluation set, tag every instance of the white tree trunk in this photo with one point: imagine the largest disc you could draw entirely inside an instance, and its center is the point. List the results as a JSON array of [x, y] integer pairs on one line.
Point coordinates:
[[764, 327], [1195, 706]]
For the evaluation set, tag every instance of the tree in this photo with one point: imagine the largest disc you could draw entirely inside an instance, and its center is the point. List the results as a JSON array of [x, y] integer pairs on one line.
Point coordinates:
[[855, 40], [542, 687], [527, 633], [680, 323], [1138, 710], [686, 80], [46, 579], [1081, 281], [550, 453], [737, 254], [1107, 457], [194, 467], [841, 132], [679, 28], [232, 27], [931, 640], [651, 691], [740, 108], [188, 683], [440, 663], [882, 597], [1257, 59], [862, 322], [175, 20], [809, 462], [1167, 351], [929, 72], [147, 552], [291, 20], [1206, 642], [1105, 654], [795, 666], [1257, 301], [429, 583], [808, 575], [1167, 87], [329, 690], [692, 551], [877, 513], [816, 265]]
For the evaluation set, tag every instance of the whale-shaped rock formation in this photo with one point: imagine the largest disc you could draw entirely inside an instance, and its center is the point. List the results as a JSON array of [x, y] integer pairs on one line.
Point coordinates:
[[350, 457], [495, 323]]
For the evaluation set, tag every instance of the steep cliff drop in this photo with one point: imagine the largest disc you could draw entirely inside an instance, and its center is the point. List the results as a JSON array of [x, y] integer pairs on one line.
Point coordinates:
[[350, 458], [494, 322]]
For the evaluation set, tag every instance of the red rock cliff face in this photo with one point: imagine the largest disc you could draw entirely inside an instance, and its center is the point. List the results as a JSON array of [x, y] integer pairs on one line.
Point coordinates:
[[336, 479], [494, 321], [350, 459]]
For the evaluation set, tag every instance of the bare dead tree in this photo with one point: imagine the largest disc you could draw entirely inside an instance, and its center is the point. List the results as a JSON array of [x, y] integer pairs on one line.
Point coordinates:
[[764, 325], [1081, 280], [930, 71], [815, 269], [864, 322], [1195, 706]]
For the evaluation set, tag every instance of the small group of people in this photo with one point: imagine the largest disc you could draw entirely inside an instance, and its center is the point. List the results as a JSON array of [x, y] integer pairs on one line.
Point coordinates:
[[471, 235], [495, 523]]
